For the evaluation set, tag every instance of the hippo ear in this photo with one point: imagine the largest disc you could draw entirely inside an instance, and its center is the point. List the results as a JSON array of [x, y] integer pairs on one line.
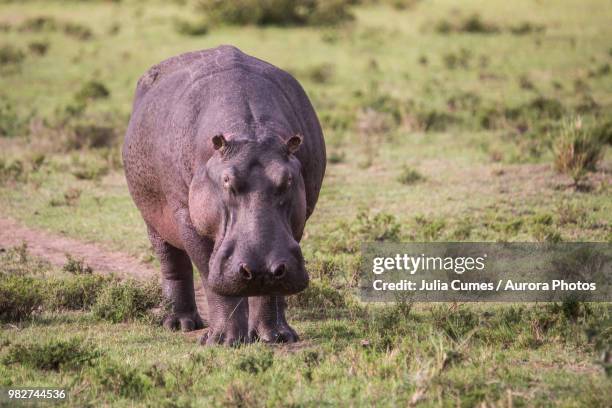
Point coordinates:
[[294, 143], [219, 142]]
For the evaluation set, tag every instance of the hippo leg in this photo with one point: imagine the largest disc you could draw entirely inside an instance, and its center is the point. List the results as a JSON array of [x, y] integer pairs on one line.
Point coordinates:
[[177, 285], [227, 316], [267, 320], [228, 320]]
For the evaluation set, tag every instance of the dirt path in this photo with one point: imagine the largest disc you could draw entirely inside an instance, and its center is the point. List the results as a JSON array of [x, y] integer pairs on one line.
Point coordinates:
[[54, 247]]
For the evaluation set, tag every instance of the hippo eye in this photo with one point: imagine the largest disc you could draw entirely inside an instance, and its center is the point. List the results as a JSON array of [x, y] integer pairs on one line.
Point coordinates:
[[227, 183], [286, 184]]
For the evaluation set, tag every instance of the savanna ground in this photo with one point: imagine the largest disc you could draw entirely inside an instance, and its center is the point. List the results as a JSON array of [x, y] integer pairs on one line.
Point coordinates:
[[444, 121]]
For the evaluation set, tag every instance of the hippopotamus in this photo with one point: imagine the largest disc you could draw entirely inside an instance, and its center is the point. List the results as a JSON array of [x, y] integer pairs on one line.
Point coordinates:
[[224, 157]]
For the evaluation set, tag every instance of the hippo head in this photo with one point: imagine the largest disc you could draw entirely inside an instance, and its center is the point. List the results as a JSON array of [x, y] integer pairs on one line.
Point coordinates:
[[254, 206]]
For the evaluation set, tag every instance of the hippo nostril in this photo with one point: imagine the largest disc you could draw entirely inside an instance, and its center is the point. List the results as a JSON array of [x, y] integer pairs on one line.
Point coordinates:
[[245, 272], [279, 271]]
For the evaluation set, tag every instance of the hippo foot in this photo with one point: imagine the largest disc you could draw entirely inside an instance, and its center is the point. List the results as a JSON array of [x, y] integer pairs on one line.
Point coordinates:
[[280, 333], [186, 321], [228, 337]]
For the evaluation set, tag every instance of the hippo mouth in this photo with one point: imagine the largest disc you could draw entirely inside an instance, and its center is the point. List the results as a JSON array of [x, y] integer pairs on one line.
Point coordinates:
[[225, 281]]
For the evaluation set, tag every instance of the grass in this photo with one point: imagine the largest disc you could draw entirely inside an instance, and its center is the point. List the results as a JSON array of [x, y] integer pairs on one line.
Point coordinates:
[[394, 93]]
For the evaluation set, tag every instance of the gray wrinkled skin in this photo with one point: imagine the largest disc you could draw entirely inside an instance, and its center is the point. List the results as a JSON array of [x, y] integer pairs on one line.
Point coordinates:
[[224, 157]]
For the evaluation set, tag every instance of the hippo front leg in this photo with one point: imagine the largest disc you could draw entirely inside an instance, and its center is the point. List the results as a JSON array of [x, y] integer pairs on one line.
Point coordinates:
[[267, 320], [177, 285], [228, 320], [227, 316]]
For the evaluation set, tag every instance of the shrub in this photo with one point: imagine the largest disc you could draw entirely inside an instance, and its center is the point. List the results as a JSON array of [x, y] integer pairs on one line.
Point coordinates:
[[20, 296], [603, 132], [38, 47], [435, 121], [335, 157], [76, 266], [321, 73], [10, 55], [428, 230], [78, 31], [122, 380], [460, 59], [472, 24], [17, 261], [39, 23], [46, 23], [577, 150], [192, 28], [75, 293], [91, 169], [12, 170], [70, 198], [10, 123], [318, 296], [92, 90], [123, 301], [454, 323], [526, 28], [256, 361], [347, 237], [54, 355], [277, 12], [92, 135], [409, 175]]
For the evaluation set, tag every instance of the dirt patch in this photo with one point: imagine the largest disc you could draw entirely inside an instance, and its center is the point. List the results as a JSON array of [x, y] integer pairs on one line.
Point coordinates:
[[54, 247]]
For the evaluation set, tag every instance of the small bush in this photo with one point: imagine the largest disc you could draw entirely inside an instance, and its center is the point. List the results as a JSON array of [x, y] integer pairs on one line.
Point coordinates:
[[75, 293], [366, 227], [92, 136], [527, 28], [321, 73], [20, 296], [70, 198], [318, 296], [10, 55], [11, 124], [38, 47], [435, 121], [54, 355], [191, 28], [121, 380], [603, 132], [409, 176], [78, 31], [89, 170], [12, 170], [16, 261], [428, 230], [277, 12], [39, 23], [460, 59], [255, 362], [92, 90], [455, 324], [336, 157], [48, 24], [76, 266], [472, 24], [577, 150], [124, 301]]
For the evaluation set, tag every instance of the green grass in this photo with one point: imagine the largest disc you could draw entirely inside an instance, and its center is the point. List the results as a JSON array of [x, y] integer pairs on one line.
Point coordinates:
[[478, 110]]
